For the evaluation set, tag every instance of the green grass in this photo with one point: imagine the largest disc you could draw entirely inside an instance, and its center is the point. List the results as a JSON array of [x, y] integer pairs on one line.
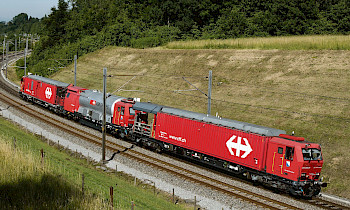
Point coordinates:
[[26, 183], [316, 42]]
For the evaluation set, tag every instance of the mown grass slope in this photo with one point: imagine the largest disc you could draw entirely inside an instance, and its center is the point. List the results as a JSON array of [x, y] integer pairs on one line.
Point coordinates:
[[306, 91], [27, 183]]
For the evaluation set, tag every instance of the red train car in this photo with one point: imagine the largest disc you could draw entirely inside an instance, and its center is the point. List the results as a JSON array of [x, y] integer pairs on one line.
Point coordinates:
[[263, 154], [246, 149], [42, 90]]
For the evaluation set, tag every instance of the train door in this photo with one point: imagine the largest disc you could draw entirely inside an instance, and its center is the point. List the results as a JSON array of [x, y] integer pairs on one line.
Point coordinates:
[[275, 158], [118, 115], [31, 88], [278, 160], [281, 159]]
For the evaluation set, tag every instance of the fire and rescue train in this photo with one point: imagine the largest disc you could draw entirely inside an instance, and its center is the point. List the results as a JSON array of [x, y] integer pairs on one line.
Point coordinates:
[[264, 155]]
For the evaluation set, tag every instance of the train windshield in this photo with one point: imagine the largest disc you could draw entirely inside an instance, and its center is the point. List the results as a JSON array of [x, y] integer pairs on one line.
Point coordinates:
[[312, 154]]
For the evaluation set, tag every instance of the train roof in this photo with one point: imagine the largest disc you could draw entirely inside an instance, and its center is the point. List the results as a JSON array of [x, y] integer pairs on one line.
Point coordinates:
[[98, 97], [147, 107], [48, 81], [247, 127]]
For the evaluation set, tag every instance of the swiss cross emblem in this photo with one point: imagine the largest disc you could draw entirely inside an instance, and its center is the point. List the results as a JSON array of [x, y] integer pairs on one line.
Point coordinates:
[[236, 143], [48, 92], [93, 102]]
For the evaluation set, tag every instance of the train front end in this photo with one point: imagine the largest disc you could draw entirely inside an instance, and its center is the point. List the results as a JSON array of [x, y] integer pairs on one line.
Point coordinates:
[[310, 181], [296, 164]]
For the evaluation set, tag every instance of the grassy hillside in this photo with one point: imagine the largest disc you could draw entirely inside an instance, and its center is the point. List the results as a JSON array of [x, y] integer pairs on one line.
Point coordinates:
[[303, 91], [26, 183]]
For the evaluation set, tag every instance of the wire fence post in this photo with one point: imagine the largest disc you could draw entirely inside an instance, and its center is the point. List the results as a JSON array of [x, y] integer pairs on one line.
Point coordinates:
[[195, 202], [14, 144], [42, 156], [132, 205], [111, 196], [82, 183], [173, 195], [154, 188]]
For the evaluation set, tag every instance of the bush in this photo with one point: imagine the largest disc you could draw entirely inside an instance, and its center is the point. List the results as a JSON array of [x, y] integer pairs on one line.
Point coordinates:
[[145, 42]]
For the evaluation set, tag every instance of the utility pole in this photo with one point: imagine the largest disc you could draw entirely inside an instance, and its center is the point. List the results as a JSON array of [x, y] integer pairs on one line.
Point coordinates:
[[32, 41], [25, 58], [209, 91], [3, 49], [27, 43], [75, 70], [7, 54], [104, 116], [15, 44]]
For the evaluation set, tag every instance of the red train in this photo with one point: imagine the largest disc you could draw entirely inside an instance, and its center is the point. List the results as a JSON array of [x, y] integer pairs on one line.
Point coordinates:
[[264, 155]]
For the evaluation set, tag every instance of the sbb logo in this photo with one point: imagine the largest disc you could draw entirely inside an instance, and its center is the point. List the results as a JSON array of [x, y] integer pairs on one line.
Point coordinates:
[[235, 142], [48, 92]]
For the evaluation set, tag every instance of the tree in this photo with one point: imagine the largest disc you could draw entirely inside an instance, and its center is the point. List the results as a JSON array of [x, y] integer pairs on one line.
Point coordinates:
[[54, 24]]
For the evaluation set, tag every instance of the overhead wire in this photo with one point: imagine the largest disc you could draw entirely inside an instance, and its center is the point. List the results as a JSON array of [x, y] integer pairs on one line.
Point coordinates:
[[249, 105], [235, 103]]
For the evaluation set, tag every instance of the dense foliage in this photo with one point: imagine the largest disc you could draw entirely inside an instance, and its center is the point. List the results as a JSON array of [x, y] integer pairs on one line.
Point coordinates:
[[21, 24], [80, 26]]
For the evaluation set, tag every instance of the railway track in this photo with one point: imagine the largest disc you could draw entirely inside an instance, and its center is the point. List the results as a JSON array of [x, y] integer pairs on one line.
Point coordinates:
[[12, 54], [231, 190]]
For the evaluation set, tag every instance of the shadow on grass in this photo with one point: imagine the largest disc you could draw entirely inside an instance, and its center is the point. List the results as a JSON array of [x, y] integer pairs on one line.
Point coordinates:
[[45, 192]]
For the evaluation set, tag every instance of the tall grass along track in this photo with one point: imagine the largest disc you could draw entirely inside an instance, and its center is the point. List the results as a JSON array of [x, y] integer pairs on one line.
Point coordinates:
[[315, 42], [192, 176]]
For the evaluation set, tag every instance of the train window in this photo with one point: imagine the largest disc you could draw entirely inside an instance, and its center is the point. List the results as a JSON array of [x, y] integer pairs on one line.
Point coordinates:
[[132, 111], [118, 109], [280, 150], [289, 153], [122, 111], [311, 154], [68, 94], [32, 85]]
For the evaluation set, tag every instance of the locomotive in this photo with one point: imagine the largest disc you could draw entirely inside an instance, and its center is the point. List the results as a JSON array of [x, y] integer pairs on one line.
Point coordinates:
[[264, 155]]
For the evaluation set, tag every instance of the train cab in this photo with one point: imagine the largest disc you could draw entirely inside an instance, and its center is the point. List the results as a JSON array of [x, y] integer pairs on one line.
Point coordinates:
[[124, 114], [71, 103], [296, 160]]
